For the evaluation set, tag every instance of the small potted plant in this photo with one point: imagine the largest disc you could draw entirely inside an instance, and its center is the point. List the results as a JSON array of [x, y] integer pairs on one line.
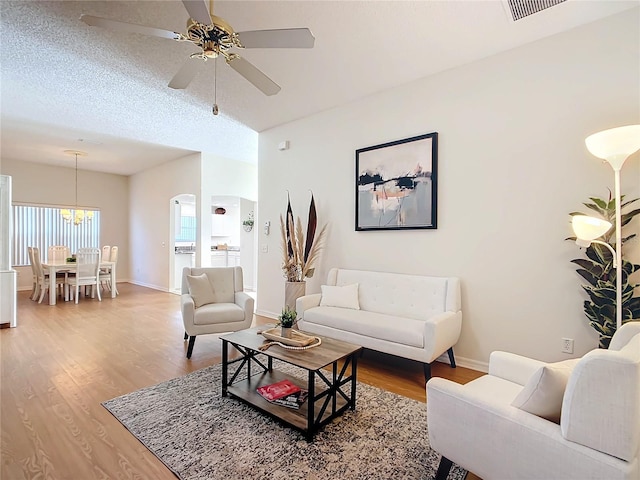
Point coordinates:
[[247, 225], [287, 320]]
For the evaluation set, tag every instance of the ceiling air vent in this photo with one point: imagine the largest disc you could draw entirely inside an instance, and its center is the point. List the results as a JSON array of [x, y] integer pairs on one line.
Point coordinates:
[[523, 8]]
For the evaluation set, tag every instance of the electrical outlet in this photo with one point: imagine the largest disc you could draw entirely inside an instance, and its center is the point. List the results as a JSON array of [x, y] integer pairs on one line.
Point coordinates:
[[567, 345]]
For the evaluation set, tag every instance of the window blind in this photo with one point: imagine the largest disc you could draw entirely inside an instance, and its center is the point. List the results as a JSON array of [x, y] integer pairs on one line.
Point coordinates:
[[42, 226]]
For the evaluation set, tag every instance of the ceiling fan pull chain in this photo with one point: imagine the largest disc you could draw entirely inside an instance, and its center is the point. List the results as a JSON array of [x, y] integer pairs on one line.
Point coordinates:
[[215, 84]]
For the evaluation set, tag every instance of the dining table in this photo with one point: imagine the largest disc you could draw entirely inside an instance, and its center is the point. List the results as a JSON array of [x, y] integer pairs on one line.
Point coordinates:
[[54, 266]]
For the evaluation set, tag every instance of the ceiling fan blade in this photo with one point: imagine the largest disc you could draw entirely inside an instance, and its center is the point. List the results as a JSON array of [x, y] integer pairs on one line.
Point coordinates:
[[282, 38], [186, 73], [128, 27], [198, 10], [255, 76]]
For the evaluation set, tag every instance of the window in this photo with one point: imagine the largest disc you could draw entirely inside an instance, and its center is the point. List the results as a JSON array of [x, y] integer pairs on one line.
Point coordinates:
[[187, 230], [39, 226]]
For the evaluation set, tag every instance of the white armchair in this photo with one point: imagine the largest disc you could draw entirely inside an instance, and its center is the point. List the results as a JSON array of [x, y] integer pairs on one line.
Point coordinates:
[[478, 427], [213, 301]]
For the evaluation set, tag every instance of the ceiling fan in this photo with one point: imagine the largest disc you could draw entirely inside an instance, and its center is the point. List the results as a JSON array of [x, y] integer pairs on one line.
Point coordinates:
[[216, 37]]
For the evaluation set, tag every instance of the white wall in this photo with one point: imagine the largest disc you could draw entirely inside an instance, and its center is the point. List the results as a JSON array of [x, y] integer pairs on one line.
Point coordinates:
[[150, 234], [50, 185], [248, 244], [512, 165]]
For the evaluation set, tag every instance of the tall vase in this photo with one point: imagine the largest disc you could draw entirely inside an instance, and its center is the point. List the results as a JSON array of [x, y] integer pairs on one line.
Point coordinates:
[[293, 291]]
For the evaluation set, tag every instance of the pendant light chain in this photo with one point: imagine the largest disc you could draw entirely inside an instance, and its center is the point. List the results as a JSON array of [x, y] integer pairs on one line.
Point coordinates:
[[75, 215], [76, 181]]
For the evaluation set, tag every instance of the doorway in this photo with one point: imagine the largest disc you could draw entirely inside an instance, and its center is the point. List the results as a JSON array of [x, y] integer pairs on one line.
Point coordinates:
[[183, 227]]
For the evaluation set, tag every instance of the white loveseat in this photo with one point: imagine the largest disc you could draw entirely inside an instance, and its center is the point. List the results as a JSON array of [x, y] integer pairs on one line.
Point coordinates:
[[411, 316], [482, 427]]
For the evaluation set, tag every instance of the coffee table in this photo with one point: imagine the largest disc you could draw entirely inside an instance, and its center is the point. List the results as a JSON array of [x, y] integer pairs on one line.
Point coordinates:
[[336, 395]]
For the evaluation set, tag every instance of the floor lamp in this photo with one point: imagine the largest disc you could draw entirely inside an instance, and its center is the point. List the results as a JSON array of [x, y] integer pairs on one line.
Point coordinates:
[[615, 146]]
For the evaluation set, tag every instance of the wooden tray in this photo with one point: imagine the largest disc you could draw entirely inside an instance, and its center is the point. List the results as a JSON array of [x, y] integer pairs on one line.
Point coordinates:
[[297, 339]]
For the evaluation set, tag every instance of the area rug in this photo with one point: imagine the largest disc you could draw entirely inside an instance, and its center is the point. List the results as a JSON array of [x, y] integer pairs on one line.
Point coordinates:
[[199, 435]]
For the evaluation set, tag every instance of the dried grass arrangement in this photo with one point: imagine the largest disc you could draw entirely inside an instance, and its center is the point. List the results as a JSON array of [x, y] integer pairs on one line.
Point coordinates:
[[300, 252]]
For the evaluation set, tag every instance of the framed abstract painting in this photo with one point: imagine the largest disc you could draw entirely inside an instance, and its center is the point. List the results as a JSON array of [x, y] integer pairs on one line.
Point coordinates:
[[396, 184]]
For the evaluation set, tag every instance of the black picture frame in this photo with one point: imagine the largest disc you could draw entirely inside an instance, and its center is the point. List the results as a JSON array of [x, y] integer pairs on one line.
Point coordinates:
[[397, 185]]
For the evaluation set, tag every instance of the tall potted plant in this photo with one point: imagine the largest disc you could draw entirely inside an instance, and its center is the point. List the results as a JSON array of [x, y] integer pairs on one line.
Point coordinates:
[[300, 252], [597, 269]]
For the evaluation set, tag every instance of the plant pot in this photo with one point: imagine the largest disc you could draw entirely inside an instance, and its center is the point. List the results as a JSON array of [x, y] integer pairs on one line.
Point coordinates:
[[286, 332], [293, 291]]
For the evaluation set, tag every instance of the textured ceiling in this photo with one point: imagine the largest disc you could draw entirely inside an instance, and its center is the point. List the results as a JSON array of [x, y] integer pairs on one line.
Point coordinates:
[[63, 81]]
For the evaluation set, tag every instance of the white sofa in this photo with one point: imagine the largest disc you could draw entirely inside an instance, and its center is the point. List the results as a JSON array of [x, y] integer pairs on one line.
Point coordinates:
[[483, 428], [411, 316]]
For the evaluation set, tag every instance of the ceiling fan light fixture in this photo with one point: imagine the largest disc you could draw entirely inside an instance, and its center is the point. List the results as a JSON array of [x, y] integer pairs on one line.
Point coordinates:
[[210, 49], [219, 33]]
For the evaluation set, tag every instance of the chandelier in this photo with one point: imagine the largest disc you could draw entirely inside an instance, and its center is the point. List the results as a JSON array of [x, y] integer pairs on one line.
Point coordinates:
[[76, 215]]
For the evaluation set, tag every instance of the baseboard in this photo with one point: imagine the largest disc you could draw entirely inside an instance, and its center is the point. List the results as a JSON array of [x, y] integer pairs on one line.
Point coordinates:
[[148, 285], [465, 362], [263, 313]]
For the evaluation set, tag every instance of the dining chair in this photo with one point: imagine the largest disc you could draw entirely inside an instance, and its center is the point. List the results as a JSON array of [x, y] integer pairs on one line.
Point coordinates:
[[105, 272], [106, 253], [57, 253], [87, 272], [34, 272], [42, 278]]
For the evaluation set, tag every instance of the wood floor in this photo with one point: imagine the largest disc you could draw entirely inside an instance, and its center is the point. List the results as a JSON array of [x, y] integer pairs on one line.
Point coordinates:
[[62, 361]]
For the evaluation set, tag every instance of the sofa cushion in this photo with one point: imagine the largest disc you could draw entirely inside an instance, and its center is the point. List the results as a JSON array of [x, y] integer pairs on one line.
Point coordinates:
[[543, 393], [223, 280], [340, 296], [200, 289], [399, 295], [405, 331], [218, 313]]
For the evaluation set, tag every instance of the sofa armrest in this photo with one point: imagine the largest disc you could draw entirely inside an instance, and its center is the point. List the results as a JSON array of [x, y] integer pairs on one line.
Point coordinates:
[[512, 367], [188, 308], [245, 302], [306, 302], [441, 332]]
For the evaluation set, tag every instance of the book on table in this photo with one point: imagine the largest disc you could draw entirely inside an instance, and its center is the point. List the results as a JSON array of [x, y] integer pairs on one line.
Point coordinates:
[[284, 393], [278, 390], [292, 401]]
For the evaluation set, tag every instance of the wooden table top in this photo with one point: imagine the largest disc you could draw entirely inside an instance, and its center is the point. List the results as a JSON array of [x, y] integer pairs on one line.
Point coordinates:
[[311, 359]]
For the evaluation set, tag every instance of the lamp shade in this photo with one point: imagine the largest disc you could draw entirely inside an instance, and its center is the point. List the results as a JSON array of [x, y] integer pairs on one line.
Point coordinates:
[[589, 228], [615, 144]]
